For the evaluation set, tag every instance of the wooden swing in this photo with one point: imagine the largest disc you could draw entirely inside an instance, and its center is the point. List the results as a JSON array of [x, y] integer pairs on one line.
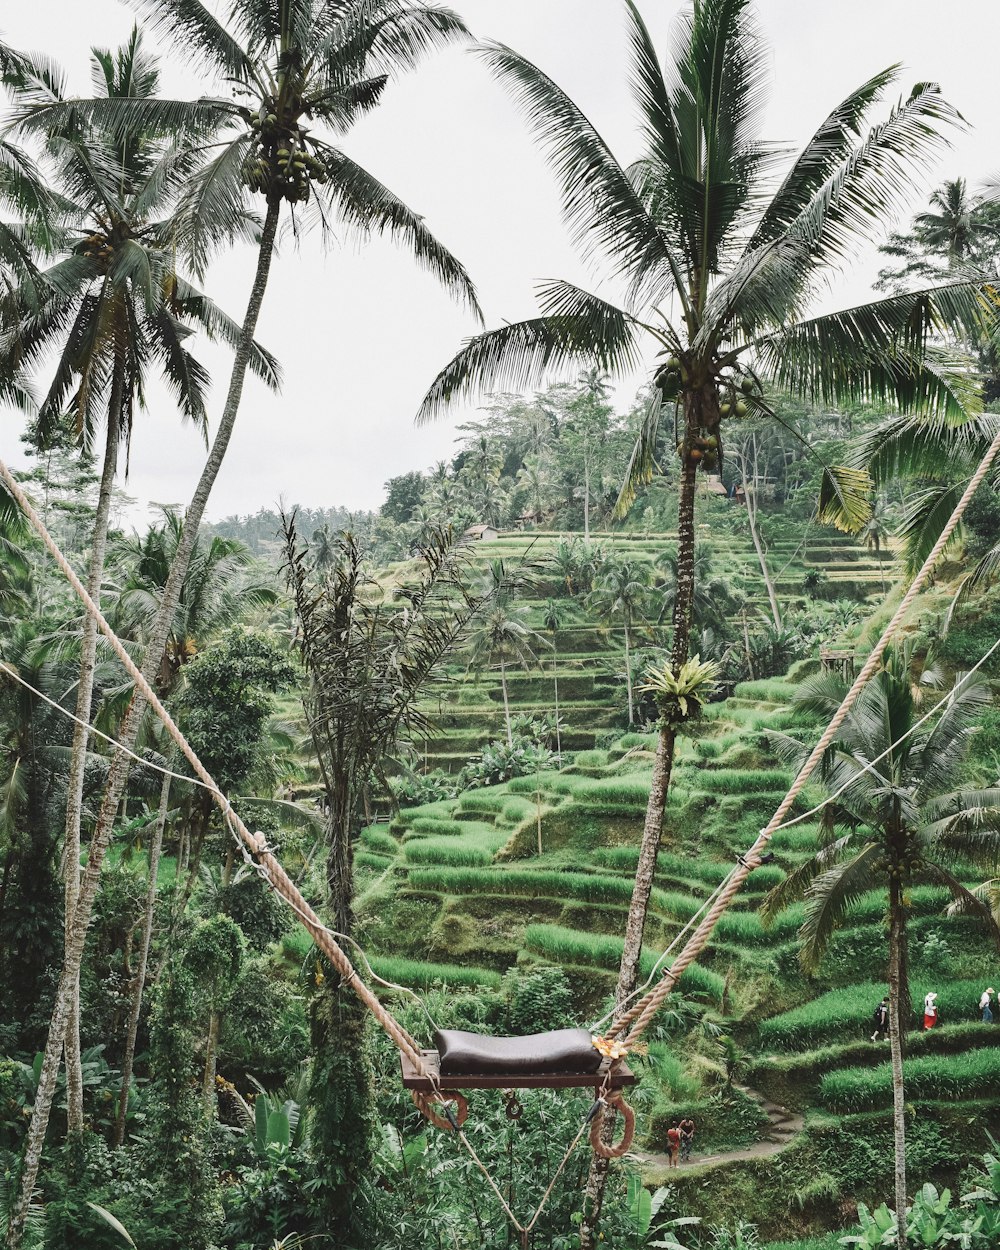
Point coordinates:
[[559, 1059]]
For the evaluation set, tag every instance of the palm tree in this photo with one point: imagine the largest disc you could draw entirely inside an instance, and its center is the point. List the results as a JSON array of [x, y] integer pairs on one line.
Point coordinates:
[[113, 307], [699, 222], [551, 622], [500, 635], [894, 822], [222, 583], [958, 229], [621, 591]]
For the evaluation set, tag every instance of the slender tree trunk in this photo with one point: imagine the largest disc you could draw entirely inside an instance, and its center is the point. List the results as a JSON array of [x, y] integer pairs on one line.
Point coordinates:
[[586, 499], [746, 645], [139, 981], [555, 683], [758, 546], [628, 680], [208, 1079], [118, 773], [659, 789], [897, 1027], [78, 750], [506, 702]]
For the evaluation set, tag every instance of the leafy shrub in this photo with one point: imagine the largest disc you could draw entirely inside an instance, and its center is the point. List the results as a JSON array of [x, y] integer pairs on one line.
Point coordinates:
[[499, 761], [539, 1000], [418, 789]]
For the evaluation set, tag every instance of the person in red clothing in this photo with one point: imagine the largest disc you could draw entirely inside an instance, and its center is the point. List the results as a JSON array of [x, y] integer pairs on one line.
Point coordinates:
[[673, 1143], [930, 1011]]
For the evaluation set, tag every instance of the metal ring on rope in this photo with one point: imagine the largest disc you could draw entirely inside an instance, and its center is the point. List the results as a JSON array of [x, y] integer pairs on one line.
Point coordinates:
[[425, 1105], [613, 1102]]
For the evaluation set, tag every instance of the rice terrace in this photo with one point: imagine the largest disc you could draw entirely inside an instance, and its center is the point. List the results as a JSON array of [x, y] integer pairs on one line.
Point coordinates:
[[499, 625]]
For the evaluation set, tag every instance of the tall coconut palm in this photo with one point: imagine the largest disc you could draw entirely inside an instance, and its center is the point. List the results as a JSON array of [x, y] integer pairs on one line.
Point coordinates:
[[552, 620], [499, 636], [900, 820], [703, 222], [956, 229], [620, 593], [303, 61], [113, 307]]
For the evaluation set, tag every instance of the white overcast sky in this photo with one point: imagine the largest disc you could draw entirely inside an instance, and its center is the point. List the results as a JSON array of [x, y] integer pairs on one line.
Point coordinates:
[[361, 331]]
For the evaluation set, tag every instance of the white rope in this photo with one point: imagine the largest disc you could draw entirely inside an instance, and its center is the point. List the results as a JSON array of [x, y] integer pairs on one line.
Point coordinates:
[[97, 733]]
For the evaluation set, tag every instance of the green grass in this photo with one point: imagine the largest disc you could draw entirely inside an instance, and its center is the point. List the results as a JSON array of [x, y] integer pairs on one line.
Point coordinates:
[[974, 1074], [602, 950], [455, 852], [848, 1012], [435, 824], [414, 972], [742, 780], [378, 841]]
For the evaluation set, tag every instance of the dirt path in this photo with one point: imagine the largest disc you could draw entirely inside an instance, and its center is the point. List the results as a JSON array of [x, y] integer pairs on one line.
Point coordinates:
[[784, 1126]]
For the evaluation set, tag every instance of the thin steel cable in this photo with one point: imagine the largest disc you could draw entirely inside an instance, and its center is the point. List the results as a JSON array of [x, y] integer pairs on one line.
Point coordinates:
[[640, 1015]]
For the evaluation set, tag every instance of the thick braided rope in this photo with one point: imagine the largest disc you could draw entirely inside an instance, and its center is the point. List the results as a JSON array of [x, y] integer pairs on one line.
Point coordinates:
[[641, 1013], [279, 878]]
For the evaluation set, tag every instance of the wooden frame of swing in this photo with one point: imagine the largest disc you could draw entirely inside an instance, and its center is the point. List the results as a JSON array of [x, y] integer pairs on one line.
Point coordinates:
[[617, 1077]]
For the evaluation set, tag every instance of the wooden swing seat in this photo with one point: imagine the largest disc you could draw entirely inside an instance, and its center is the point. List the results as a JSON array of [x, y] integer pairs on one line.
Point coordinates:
[[562, 1059]]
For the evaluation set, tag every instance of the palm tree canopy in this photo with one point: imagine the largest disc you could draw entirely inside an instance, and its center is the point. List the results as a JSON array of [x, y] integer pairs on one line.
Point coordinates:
[[284, 68], [705, 217], [113, 303], [896, 782]]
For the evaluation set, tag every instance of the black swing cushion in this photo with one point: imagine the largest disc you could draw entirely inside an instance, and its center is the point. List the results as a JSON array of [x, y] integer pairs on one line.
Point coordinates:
[[561, 1052]]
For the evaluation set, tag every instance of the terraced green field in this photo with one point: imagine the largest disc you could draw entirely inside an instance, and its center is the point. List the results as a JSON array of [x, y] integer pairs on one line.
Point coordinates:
[[587, 660], [459, 892]]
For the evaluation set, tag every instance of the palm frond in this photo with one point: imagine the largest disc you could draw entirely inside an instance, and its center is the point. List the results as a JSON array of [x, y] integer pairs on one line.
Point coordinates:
[[830, 896], [642, 462], [917, 446], [925, 514], [212, 211], [197, 36], [798, 882], [818, 160], [189, 302], [367, 206], [600, 204], [588, 331], [845, 497]]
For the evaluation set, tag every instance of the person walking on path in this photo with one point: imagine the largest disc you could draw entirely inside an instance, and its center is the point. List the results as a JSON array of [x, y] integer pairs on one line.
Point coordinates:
[[985, 1004], [881, 1018], [673, 1143], [930, 1010], [686, 1128]]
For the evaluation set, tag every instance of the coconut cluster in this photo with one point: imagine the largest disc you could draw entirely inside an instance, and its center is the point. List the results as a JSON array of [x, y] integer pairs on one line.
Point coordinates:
[[704, 451], [279, 164], [100, 245]]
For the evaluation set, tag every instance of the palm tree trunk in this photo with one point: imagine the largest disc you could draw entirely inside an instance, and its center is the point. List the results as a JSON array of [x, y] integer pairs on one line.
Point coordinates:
[[758, 546], [139, 981], [118, 773], [555, 683], [586, 497], [78, 749], [628, 680], [506, 703], [663, 764], [897, 994]]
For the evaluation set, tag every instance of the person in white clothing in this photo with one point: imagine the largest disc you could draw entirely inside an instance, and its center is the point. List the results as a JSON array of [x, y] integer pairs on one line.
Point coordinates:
[[985, 1004], [930, 1010]]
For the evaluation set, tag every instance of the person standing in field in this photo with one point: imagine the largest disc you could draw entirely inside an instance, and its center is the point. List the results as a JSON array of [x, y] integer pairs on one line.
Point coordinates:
[[985, 1005], [686, 1128], [880, 1016], [930, 1010], [673, 1143]]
